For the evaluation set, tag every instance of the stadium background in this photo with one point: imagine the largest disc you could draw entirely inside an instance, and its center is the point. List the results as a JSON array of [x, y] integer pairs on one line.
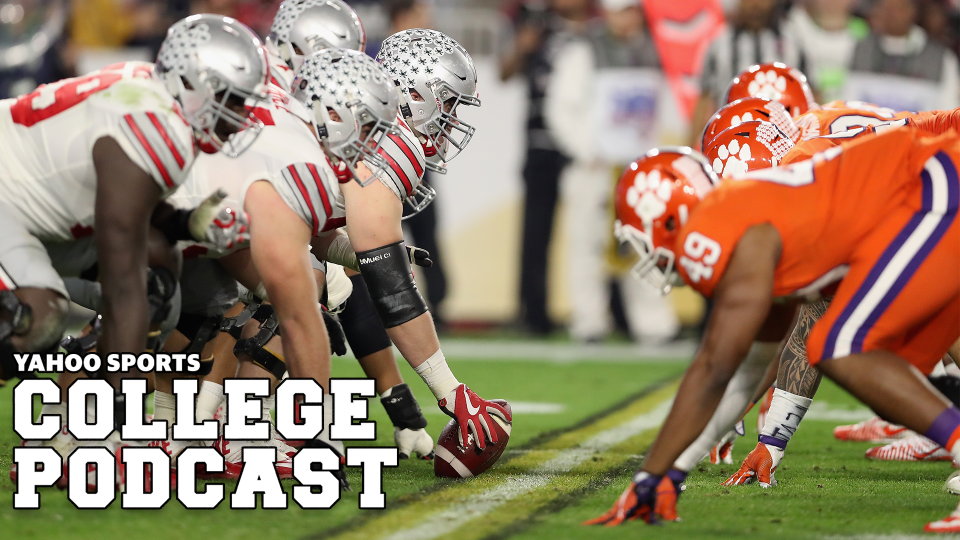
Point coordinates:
[[480, 203]]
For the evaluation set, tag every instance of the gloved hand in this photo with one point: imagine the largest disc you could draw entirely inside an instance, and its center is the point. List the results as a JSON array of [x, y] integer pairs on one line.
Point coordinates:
[[638, 501], [224, 227], [338, 341], [759, 466], [419, 257]]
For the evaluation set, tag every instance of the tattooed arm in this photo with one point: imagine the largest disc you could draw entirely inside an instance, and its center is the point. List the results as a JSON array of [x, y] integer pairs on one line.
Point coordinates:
[[796, 375]]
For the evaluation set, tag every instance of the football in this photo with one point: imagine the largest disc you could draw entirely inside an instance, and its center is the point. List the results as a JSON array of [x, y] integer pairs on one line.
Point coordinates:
[[454, 461]]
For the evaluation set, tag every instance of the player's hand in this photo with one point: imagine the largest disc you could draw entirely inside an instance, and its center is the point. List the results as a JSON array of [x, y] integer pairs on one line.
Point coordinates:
[[759, 466], [338, 341], [638, 501], [472, 414], [224, 227], [668, 492], [419, 257]]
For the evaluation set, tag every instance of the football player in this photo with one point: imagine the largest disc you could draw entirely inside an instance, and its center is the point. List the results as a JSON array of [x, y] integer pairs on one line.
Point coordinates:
[[300, 28], [372, 206], [746, 243], [89, 159]]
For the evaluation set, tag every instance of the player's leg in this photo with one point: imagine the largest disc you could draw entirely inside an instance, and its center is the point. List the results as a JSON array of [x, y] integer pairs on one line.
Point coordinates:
[[373, 217], [374, 352]]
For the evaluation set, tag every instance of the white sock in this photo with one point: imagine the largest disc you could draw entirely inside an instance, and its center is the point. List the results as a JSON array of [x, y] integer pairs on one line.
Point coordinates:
[[436, 373], [268, 403], [783, 418], [55, 409], [164, 407], [327, 422], [208, 400]]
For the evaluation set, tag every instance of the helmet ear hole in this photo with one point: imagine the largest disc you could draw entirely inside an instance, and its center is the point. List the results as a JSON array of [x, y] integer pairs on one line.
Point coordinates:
[[671, 224]]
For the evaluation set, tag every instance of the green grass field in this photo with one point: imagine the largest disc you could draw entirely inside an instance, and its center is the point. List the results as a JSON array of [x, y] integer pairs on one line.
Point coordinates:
[[585, 428]]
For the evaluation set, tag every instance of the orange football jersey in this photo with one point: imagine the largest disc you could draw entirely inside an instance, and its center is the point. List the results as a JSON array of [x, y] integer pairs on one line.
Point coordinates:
[[837, 116], [823, 209]]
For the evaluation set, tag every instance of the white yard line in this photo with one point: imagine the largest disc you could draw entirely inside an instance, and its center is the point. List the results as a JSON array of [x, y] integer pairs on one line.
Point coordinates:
[[446, 521], [561, 353]]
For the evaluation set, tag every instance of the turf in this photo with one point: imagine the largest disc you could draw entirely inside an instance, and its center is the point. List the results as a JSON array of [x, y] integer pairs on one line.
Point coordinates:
[[826, 487]]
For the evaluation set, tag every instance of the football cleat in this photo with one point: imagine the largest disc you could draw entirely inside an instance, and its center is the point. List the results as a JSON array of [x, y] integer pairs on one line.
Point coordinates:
[[949, 524], [413, 441], [232, 452], [472, 414], [722, 452], [340, 474], [759, 466], [915, 448], [953, 483], [874, 430]]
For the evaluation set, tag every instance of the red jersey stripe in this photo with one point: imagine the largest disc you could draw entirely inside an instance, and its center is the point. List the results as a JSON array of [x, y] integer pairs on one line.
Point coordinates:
[[398, 169], [306, 196], [166, 138], [407, 151], [325, 199], [146, 145]]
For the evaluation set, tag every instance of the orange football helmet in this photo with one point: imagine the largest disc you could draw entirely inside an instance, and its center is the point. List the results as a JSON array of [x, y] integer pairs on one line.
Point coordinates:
[[745, 110], [774, 81], [654, 197], [747, 147]]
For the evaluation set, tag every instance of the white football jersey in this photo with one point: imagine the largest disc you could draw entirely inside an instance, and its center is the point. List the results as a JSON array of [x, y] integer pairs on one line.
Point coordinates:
[[281, 75], [403, 152], [286, 154], [46, 154]]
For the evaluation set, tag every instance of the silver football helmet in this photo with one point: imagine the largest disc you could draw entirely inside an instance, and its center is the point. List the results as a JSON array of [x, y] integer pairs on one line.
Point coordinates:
[[434, 75], [303, 27], [353, 105], [217, 70]]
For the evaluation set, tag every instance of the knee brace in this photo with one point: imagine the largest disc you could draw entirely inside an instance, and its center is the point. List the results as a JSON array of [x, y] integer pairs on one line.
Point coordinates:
[[16, 318], [199, 330], [386, 271], [234, 325], [361, 325], [254, 346]]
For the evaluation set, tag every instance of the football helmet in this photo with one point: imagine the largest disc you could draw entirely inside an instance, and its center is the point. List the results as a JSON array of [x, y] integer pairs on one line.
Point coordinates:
[[352, 105], [441, 73], [654, 197], [745, 110], [216, 68], [303, 27], [774, 81], [747, 147]]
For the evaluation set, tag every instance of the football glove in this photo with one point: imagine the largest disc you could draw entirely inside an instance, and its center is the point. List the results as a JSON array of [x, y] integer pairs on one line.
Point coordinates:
[[413, 441], [638, 501], [419, 257], [224, 227], [472, 414], [759, 466], [338, 341]]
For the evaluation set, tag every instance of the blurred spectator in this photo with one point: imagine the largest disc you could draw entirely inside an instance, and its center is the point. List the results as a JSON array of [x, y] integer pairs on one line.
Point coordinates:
[[403, 15], [257, 14], [940, 22], [37, 28], [897, 46], [753, 36], [538, 31], [101, 23], [826, 31], [617, 42]]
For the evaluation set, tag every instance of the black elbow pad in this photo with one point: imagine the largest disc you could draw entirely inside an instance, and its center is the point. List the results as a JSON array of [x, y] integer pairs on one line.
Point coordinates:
[[386, 271]]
